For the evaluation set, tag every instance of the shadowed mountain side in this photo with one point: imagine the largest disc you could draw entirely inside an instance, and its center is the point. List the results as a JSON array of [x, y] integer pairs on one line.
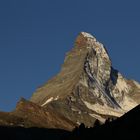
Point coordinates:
[[20, 133], [126, 127], [28, 114]]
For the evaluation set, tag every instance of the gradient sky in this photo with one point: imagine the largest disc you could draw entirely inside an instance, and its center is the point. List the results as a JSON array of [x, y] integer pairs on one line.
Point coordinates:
[[36, 34]]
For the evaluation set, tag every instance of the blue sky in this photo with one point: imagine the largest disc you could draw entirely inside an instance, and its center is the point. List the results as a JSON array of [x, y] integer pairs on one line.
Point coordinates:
[[36, 34]]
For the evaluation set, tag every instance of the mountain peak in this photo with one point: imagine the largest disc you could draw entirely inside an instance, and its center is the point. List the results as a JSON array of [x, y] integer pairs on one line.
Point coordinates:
[[86, 89], [88, 85], [86, 40], [87, 35]]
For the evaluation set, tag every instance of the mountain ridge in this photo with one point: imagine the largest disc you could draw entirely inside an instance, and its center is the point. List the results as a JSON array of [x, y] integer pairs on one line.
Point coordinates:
[[86, 89], [28, 114], [88, 83]]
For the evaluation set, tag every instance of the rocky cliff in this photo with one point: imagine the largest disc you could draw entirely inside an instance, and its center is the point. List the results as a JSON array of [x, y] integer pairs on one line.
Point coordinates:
[[88, 87], [29, 115]]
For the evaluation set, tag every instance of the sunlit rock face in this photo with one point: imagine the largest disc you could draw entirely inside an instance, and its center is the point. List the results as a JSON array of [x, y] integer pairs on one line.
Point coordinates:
[[88, 87]]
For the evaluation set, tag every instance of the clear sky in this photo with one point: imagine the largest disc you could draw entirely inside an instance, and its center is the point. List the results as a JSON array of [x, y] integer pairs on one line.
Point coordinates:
[[36, 34]]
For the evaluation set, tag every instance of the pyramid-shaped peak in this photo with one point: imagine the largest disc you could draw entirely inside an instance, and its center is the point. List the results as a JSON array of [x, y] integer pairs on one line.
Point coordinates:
[[88, 35], [87, 83], [84, 38]]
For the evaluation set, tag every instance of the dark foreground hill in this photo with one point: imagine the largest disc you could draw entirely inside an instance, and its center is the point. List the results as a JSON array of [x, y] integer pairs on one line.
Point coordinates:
[[126, 127]]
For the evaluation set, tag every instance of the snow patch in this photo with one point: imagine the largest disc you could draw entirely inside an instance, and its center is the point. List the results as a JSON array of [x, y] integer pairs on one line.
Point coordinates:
[[101, 119], [73, 109], [137, 84], [78, 123], [104, 110], [121, 84], [128, 104], [87, 35], [49, 100], [56, 98]]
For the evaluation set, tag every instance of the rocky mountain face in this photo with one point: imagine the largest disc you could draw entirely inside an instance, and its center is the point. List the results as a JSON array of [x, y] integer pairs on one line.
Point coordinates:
[[88, 87], [28, 115]]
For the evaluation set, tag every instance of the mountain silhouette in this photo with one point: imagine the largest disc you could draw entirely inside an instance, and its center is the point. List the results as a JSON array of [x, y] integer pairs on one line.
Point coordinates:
[[87, 99]]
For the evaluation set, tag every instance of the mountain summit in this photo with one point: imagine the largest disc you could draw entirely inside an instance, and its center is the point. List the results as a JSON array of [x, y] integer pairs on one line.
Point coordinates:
[[88, 87]]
